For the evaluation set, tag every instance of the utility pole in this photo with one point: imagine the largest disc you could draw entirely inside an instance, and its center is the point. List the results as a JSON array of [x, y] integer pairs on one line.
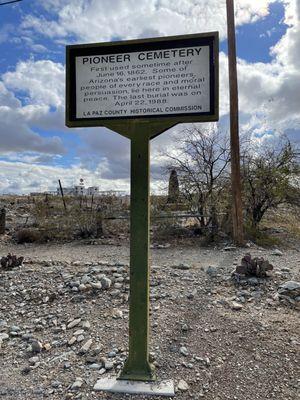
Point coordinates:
[[9, 2], [237, 212]]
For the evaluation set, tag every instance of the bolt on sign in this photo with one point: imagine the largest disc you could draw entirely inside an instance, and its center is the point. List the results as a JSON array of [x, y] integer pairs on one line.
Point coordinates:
[[140, 88]]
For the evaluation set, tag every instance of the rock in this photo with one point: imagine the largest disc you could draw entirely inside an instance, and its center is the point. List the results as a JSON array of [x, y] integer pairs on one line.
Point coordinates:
[[77, 384], [80, 338], [115, 293], [91, 359], [183, 385], [85, 279], [74, 323], [82, 287], [117, 314], [184, 351], [55, 384], [96, 285], [33, 360], [212, 271], [47, 346], [236, 306], [102, 371], [229, 248], [95, 366], [72, 341], [290, 289], [79, 332], [183, 267], [85, 348], [4, 336], [86, 325], [15, 328], [105, 282], [108, 365], [192, 294], [36, 346], [277, 252], [253, 281]]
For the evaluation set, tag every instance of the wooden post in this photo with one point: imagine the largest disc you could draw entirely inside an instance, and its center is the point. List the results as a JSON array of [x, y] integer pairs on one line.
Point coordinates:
[[237, 212], [62, 194], [2, 221]]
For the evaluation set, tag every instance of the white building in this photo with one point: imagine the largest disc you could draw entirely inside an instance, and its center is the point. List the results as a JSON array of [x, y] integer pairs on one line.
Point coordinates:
[[92, 191], [79, 190]]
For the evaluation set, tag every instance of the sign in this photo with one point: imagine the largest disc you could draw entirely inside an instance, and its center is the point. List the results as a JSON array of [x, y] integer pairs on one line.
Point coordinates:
[[172, 77], [140, 88]]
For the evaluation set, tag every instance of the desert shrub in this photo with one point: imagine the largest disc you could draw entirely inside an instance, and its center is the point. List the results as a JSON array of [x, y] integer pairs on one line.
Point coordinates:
[[82, 219], [28, 236], [260, 237], [270, 176]]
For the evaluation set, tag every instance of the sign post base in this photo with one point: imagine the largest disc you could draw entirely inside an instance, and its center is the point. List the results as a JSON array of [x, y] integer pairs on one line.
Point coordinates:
[[163, 388]]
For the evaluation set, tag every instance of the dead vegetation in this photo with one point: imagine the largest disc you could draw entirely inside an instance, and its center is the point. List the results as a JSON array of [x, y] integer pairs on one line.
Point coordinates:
[[42, 219]]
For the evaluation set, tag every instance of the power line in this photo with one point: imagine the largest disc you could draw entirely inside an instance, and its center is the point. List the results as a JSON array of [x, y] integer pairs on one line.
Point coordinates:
[[9, 2]]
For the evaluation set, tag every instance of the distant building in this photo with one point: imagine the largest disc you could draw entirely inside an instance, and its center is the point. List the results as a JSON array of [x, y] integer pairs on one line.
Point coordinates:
[[80, 190], [92, 191]]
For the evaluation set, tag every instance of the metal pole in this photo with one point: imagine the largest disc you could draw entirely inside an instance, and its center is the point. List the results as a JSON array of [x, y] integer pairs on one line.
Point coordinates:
[[137, 366], [237, 212]]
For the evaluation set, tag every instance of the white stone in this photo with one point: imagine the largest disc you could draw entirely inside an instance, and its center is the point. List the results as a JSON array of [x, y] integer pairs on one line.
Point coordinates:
[[85, 348], [163, 388], [73, 323], [277, 252], [236, 306], [183, 385]]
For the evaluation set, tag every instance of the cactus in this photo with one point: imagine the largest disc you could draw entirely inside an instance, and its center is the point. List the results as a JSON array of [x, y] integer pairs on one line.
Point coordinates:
[[257, 266], [11, 261]]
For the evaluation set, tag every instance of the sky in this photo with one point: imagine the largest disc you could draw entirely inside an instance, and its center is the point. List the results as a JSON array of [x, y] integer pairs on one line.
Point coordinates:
[[36, 149]]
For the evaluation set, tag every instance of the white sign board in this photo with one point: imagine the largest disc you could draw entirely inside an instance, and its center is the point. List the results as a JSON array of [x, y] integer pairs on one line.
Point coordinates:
[[155, 82], [174, 79]]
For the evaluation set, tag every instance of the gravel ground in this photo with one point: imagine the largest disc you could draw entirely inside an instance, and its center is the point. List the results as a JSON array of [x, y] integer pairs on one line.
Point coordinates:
[[226, 340]]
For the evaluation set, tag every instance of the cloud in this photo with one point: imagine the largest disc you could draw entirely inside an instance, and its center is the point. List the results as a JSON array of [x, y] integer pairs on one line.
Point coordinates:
[[272, 90], [42, 80], [42, 84], [287, 50], [15, 135], [102, 20]]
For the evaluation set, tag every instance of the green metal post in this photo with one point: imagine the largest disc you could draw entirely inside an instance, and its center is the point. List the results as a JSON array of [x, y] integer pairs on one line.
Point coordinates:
[[137, 366]]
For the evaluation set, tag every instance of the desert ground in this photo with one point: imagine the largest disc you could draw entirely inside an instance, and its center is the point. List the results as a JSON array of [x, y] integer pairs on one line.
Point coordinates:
[[64, 321]]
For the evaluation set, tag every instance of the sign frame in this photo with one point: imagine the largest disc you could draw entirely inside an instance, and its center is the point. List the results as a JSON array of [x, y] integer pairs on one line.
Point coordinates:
[[160, 123]]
